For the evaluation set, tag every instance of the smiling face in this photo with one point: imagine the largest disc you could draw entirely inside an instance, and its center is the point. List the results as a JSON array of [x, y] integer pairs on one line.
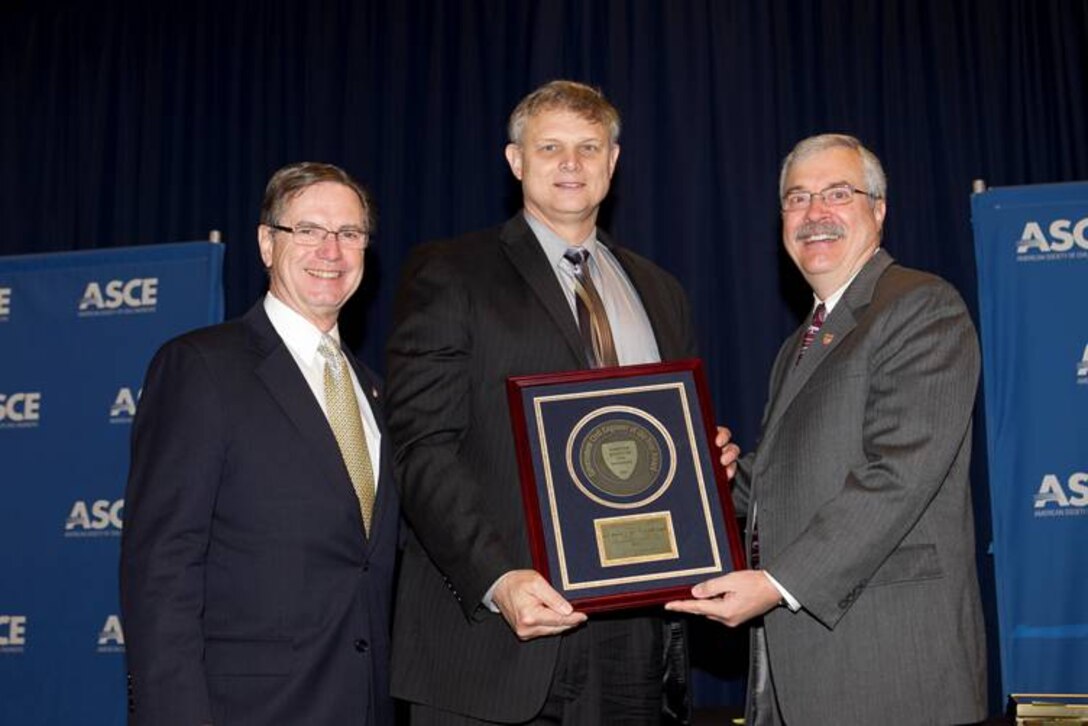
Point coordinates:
[[831, 243], [565, 164], [315, 281]]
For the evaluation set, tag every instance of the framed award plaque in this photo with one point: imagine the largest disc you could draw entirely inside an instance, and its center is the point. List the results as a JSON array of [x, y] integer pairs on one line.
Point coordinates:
[[626, 502]]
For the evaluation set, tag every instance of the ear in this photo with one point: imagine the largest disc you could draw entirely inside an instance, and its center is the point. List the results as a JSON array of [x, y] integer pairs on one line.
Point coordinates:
[[264, 243], [879, 210], [513, 158], [613, 157]]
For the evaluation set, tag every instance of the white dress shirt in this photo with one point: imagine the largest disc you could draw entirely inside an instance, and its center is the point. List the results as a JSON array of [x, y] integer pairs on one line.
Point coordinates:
[[302, 338]]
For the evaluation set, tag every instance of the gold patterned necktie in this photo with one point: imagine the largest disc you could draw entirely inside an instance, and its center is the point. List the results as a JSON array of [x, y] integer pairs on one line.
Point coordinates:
[[347, 426], [592, 318]]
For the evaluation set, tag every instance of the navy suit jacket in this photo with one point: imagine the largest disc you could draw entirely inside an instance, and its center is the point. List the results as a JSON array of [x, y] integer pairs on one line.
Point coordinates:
[[250, 594]]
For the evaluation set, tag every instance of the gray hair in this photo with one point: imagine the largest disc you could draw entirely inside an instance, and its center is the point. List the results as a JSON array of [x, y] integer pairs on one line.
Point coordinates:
[[875, 180], [578, 98]]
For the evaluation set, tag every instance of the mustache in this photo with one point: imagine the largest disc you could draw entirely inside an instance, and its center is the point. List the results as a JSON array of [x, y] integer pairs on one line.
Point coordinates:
[[817, 229]]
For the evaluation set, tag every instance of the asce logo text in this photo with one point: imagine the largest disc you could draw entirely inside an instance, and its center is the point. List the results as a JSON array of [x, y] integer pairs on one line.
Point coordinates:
[[20, 409], [139, 295], [102, 518], [1067, 238], [1053, 499], [12, 633]]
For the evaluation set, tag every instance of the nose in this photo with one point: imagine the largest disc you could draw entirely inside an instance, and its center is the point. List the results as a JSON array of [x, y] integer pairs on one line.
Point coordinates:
[[817, 208], [569, 162], [329, 249]]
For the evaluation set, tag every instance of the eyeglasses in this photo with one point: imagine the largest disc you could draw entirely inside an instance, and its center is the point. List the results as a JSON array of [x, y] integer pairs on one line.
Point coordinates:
[[832, 196], [311, 235]]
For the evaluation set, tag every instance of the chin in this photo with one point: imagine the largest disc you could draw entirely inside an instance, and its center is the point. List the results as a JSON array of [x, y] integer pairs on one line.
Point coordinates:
[[321, 303], [819, 260]]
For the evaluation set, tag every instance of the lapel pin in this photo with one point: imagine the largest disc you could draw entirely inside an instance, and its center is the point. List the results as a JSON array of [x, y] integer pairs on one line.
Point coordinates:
[[374, 392], [828, 337]]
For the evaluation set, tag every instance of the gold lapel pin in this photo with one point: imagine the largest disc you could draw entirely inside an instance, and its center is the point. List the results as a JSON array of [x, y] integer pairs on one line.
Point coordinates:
[[828, 337]]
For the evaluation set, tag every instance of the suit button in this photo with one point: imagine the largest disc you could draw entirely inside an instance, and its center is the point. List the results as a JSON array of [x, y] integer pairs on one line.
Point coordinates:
[[366, 567], [362, 646]]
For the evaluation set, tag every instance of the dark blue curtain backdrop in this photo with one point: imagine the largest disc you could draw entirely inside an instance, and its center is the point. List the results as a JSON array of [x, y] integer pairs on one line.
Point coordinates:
[[141, 123]]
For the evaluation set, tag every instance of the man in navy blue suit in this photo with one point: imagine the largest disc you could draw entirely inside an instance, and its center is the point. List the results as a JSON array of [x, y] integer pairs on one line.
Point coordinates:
[[261, 526]]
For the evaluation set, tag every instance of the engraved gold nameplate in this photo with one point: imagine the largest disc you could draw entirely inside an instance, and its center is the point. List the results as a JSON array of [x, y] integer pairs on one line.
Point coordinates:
[[635, 538]]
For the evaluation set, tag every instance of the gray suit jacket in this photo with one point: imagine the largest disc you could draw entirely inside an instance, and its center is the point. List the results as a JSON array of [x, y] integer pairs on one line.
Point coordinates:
[[864, 509], [469, 313]]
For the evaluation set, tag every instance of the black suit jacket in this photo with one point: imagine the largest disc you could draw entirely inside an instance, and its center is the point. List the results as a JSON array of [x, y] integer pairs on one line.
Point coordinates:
[[469, 313], [249, 593]]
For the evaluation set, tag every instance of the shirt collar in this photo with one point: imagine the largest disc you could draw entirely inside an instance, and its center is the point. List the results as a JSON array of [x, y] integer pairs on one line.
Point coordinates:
[[554, 246], [833, 299], [297, 332]]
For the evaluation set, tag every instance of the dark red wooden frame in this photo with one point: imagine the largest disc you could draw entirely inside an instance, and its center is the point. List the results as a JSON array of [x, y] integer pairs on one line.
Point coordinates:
[[531, 501]]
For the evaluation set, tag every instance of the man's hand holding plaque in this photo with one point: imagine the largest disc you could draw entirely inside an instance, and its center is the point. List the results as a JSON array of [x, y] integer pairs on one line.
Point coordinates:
[[531, 607]]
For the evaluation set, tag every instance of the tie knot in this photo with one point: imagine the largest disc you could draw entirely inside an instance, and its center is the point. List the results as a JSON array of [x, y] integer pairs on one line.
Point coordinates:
[[577, 256], [328, 350], [818, 315]]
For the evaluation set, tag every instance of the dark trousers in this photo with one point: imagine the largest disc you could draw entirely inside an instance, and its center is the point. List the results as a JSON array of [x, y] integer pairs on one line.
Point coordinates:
[[609, 672], [762, 706]]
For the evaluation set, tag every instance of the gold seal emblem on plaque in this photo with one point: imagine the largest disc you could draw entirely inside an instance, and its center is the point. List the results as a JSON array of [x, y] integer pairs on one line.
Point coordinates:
[[625, 460], [620, 457]]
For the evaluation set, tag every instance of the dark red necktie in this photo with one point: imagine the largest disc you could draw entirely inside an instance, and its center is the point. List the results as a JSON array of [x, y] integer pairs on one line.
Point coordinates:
[[818, 316]]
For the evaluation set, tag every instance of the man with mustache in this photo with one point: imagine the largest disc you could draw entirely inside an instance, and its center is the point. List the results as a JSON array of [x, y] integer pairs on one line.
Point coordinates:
[[861, 534]]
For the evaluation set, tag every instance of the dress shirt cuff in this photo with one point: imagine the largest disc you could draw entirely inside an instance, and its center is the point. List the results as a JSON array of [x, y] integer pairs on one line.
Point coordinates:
[[791, 601], [488, 599]]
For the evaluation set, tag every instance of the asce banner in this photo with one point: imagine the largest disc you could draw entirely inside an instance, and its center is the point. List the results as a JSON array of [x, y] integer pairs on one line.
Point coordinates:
[[76, 333], [1032, 249]]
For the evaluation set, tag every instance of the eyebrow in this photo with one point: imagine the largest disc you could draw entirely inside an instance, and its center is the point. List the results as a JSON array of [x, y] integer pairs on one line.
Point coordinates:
[[349, 225], [843, 183], [581, 140]]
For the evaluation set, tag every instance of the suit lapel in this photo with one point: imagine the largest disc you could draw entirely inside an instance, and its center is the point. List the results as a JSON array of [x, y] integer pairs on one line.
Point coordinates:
[[528, 258], [285, 383], [840, 322]]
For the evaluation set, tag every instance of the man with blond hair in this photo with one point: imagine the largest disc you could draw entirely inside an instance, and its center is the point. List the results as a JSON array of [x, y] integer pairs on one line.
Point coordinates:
[[480, 637]]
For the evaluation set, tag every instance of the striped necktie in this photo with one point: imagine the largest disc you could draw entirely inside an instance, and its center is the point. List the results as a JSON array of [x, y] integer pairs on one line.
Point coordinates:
[[592, 318], [818, 316], [347, 426]]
